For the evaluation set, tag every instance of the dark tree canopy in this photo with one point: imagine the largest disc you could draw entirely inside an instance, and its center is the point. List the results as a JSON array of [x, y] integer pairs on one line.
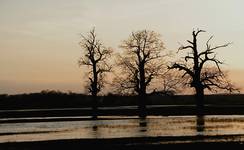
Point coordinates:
[[202, 68], [95, 57], [141, 61]]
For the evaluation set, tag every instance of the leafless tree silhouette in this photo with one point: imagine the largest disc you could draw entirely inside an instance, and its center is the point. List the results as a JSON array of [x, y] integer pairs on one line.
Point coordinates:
[[140, 62], [95, 57], [199, 74]]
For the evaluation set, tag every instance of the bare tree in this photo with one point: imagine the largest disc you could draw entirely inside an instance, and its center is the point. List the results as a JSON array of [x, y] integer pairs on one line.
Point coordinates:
[[140, 62], [200, 75], [171, 83], [95, 57]]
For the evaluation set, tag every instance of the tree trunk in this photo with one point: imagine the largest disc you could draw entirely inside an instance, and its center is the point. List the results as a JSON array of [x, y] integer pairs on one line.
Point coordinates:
[[142, 92], [199, 97], [94, 93]]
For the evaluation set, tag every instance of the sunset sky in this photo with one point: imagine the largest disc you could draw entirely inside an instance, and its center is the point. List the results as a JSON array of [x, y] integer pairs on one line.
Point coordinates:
[[39, 38]]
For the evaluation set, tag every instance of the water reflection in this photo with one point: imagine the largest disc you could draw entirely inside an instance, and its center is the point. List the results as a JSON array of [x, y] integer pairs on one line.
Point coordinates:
[[200, 125], [143, 124], [120, 126], [95, 129]]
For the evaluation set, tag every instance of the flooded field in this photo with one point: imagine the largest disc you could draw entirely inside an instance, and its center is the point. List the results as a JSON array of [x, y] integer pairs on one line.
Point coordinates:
[[124, 127]]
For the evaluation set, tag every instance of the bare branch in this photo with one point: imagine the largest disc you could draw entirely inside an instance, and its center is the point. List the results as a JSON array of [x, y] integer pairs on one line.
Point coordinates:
[[220, 46], [198, 31], [190, 42], [181, 67], [188, 57], [184, 47]]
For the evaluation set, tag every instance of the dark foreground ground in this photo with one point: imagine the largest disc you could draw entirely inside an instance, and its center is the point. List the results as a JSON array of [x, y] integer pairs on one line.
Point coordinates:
[[122, 143]]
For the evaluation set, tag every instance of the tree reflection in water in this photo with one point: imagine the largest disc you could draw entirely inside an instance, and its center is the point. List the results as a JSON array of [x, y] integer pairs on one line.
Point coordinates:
[[95, 130], [200, 125], [143, 124]]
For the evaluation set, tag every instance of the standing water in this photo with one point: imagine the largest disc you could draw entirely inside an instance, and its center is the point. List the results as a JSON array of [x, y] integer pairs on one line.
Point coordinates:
[[122, 127]]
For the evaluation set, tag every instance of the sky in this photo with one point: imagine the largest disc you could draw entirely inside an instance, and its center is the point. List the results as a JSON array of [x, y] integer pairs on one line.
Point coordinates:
[[39, 38]]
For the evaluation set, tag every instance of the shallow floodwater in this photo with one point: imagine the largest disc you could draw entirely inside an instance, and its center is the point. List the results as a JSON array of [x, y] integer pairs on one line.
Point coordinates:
[[118, 127]]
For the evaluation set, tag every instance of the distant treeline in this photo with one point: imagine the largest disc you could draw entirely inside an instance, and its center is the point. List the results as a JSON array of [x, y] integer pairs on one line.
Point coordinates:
[[56, 99]]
